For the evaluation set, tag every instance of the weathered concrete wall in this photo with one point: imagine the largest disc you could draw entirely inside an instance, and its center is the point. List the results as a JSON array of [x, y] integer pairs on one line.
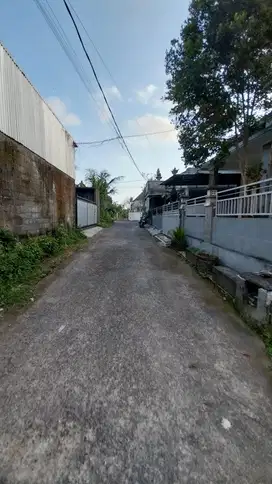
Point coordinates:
[[243, 244], [194, 227], [34, 195], [249, 236], [157, 221], [169, 222]]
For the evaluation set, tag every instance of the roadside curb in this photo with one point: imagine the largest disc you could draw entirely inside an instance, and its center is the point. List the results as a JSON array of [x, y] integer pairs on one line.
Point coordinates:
[[91, 232], [163, 239]]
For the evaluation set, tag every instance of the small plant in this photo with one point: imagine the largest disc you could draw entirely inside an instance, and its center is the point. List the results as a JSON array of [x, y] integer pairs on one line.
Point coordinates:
[[178, 238], [21, 260], [7, 238]]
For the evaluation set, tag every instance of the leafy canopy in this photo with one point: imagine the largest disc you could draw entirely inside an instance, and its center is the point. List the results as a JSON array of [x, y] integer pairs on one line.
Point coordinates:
[[220, 76]]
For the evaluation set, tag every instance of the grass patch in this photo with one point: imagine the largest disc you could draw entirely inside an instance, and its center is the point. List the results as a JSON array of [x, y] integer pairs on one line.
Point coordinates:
[[24, 261]]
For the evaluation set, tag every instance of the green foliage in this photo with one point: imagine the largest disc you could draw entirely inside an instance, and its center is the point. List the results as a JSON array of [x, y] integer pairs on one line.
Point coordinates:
[[20, 260], [106, 219], [220, 77], [7, 238], [178, 238], [102, 181]]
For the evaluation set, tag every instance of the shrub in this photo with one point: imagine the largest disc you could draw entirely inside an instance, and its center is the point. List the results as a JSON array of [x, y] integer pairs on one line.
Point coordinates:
[[106, 219], [7, 238], [179, 238], [49, 245], [21, 260]]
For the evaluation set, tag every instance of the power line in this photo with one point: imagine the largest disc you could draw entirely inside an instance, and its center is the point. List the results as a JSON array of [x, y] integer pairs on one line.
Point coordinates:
[[101, 89], [100, 142], [62, 39], [100, 56]]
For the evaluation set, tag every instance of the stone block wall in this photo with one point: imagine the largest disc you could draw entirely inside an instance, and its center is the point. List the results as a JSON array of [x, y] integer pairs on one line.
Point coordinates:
[[34, 195]]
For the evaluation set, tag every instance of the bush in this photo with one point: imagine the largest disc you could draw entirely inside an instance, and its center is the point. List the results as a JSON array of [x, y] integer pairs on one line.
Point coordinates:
[[178, 238], [21, 259], [49, 245], [7, 238], [106, 219]]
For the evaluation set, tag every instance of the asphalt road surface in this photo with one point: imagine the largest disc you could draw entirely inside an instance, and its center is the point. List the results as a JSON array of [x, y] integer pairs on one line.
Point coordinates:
[[130, 369]]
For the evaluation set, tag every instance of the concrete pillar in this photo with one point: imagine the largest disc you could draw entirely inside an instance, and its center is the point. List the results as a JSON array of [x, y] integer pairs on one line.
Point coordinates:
[[182, 211], [209, 215], [263, 305], [241, 292]]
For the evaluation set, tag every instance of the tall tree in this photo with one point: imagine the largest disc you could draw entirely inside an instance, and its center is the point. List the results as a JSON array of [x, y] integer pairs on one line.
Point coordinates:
[[220, 77], [104, 183], [158, 175]]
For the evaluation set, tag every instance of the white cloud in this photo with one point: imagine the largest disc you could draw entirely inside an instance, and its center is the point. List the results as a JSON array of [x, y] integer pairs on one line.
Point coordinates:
[[61, 111], [162, 105], [145, 95], [101, 106], [113, 92], [150, 123], [153, 96]]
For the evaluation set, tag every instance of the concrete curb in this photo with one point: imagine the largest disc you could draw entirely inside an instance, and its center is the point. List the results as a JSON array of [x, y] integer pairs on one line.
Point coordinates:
[[92, 231], [163, 239]]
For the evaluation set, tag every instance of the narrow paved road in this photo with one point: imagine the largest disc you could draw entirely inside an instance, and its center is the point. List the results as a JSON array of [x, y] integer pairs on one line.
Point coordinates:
[[129, 369]]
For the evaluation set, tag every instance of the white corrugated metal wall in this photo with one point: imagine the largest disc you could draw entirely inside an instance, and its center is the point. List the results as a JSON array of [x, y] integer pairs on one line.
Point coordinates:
[[86, 213], [134, 216], [26, 118]]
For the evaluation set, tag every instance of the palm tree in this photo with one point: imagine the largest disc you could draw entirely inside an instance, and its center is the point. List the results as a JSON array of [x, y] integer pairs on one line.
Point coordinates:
[[103, 182]]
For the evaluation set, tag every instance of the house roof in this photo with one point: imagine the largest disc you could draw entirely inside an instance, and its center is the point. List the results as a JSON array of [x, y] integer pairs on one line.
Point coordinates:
[[140, 197], [154, 187], [199, 177]]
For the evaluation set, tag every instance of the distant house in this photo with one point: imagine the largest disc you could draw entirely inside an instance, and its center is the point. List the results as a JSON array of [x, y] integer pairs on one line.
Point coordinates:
[[194, 182], [138, 203], [154, 194]]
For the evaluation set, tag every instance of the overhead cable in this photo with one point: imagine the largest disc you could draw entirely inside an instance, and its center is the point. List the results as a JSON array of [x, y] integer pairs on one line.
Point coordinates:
[[62, 39], [100, 142], [101, 88], [99, 55]]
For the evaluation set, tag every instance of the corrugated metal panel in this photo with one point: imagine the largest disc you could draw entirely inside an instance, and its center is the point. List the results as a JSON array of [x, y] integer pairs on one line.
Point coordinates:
[[86, 213], [25, 117]]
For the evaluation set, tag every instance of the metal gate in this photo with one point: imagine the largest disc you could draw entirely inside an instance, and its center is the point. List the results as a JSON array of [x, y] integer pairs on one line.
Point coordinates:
[[86, 212]]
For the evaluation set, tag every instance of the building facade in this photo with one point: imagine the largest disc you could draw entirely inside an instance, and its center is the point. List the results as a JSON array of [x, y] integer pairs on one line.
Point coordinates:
[[37, 175]]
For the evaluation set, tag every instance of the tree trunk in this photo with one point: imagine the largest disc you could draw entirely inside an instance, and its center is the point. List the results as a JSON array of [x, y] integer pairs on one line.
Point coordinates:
[[244, 160]]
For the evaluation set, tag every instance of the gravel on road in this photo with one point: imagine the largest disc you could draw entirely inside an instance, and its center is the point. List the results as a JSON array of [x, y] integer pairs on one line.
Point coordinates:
[[130, 369]]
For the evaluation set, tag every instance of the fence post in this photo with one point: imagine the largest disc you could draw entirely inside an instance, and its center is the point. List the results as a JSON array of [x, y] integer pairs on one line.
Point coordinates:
[[182, 211], [209, 215]]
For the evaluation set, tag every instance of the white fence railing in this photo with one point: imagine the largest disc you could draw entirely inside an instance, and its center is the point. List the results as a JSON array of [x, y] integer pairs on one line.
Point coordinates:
[[195, 207], [168, 208], [253, 200]]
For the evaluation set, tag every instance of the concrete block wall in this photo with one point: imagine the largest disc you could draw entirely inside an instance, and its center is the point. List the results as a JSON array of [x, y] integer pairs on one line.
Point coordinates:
[[194, 227], [35, 196], [169, 222], [249, 236]]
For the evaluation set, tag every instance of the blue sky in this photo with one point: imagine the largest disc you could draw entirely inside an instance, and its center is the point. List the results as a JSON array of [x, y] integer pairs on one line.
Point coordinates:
[[132, 37]]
